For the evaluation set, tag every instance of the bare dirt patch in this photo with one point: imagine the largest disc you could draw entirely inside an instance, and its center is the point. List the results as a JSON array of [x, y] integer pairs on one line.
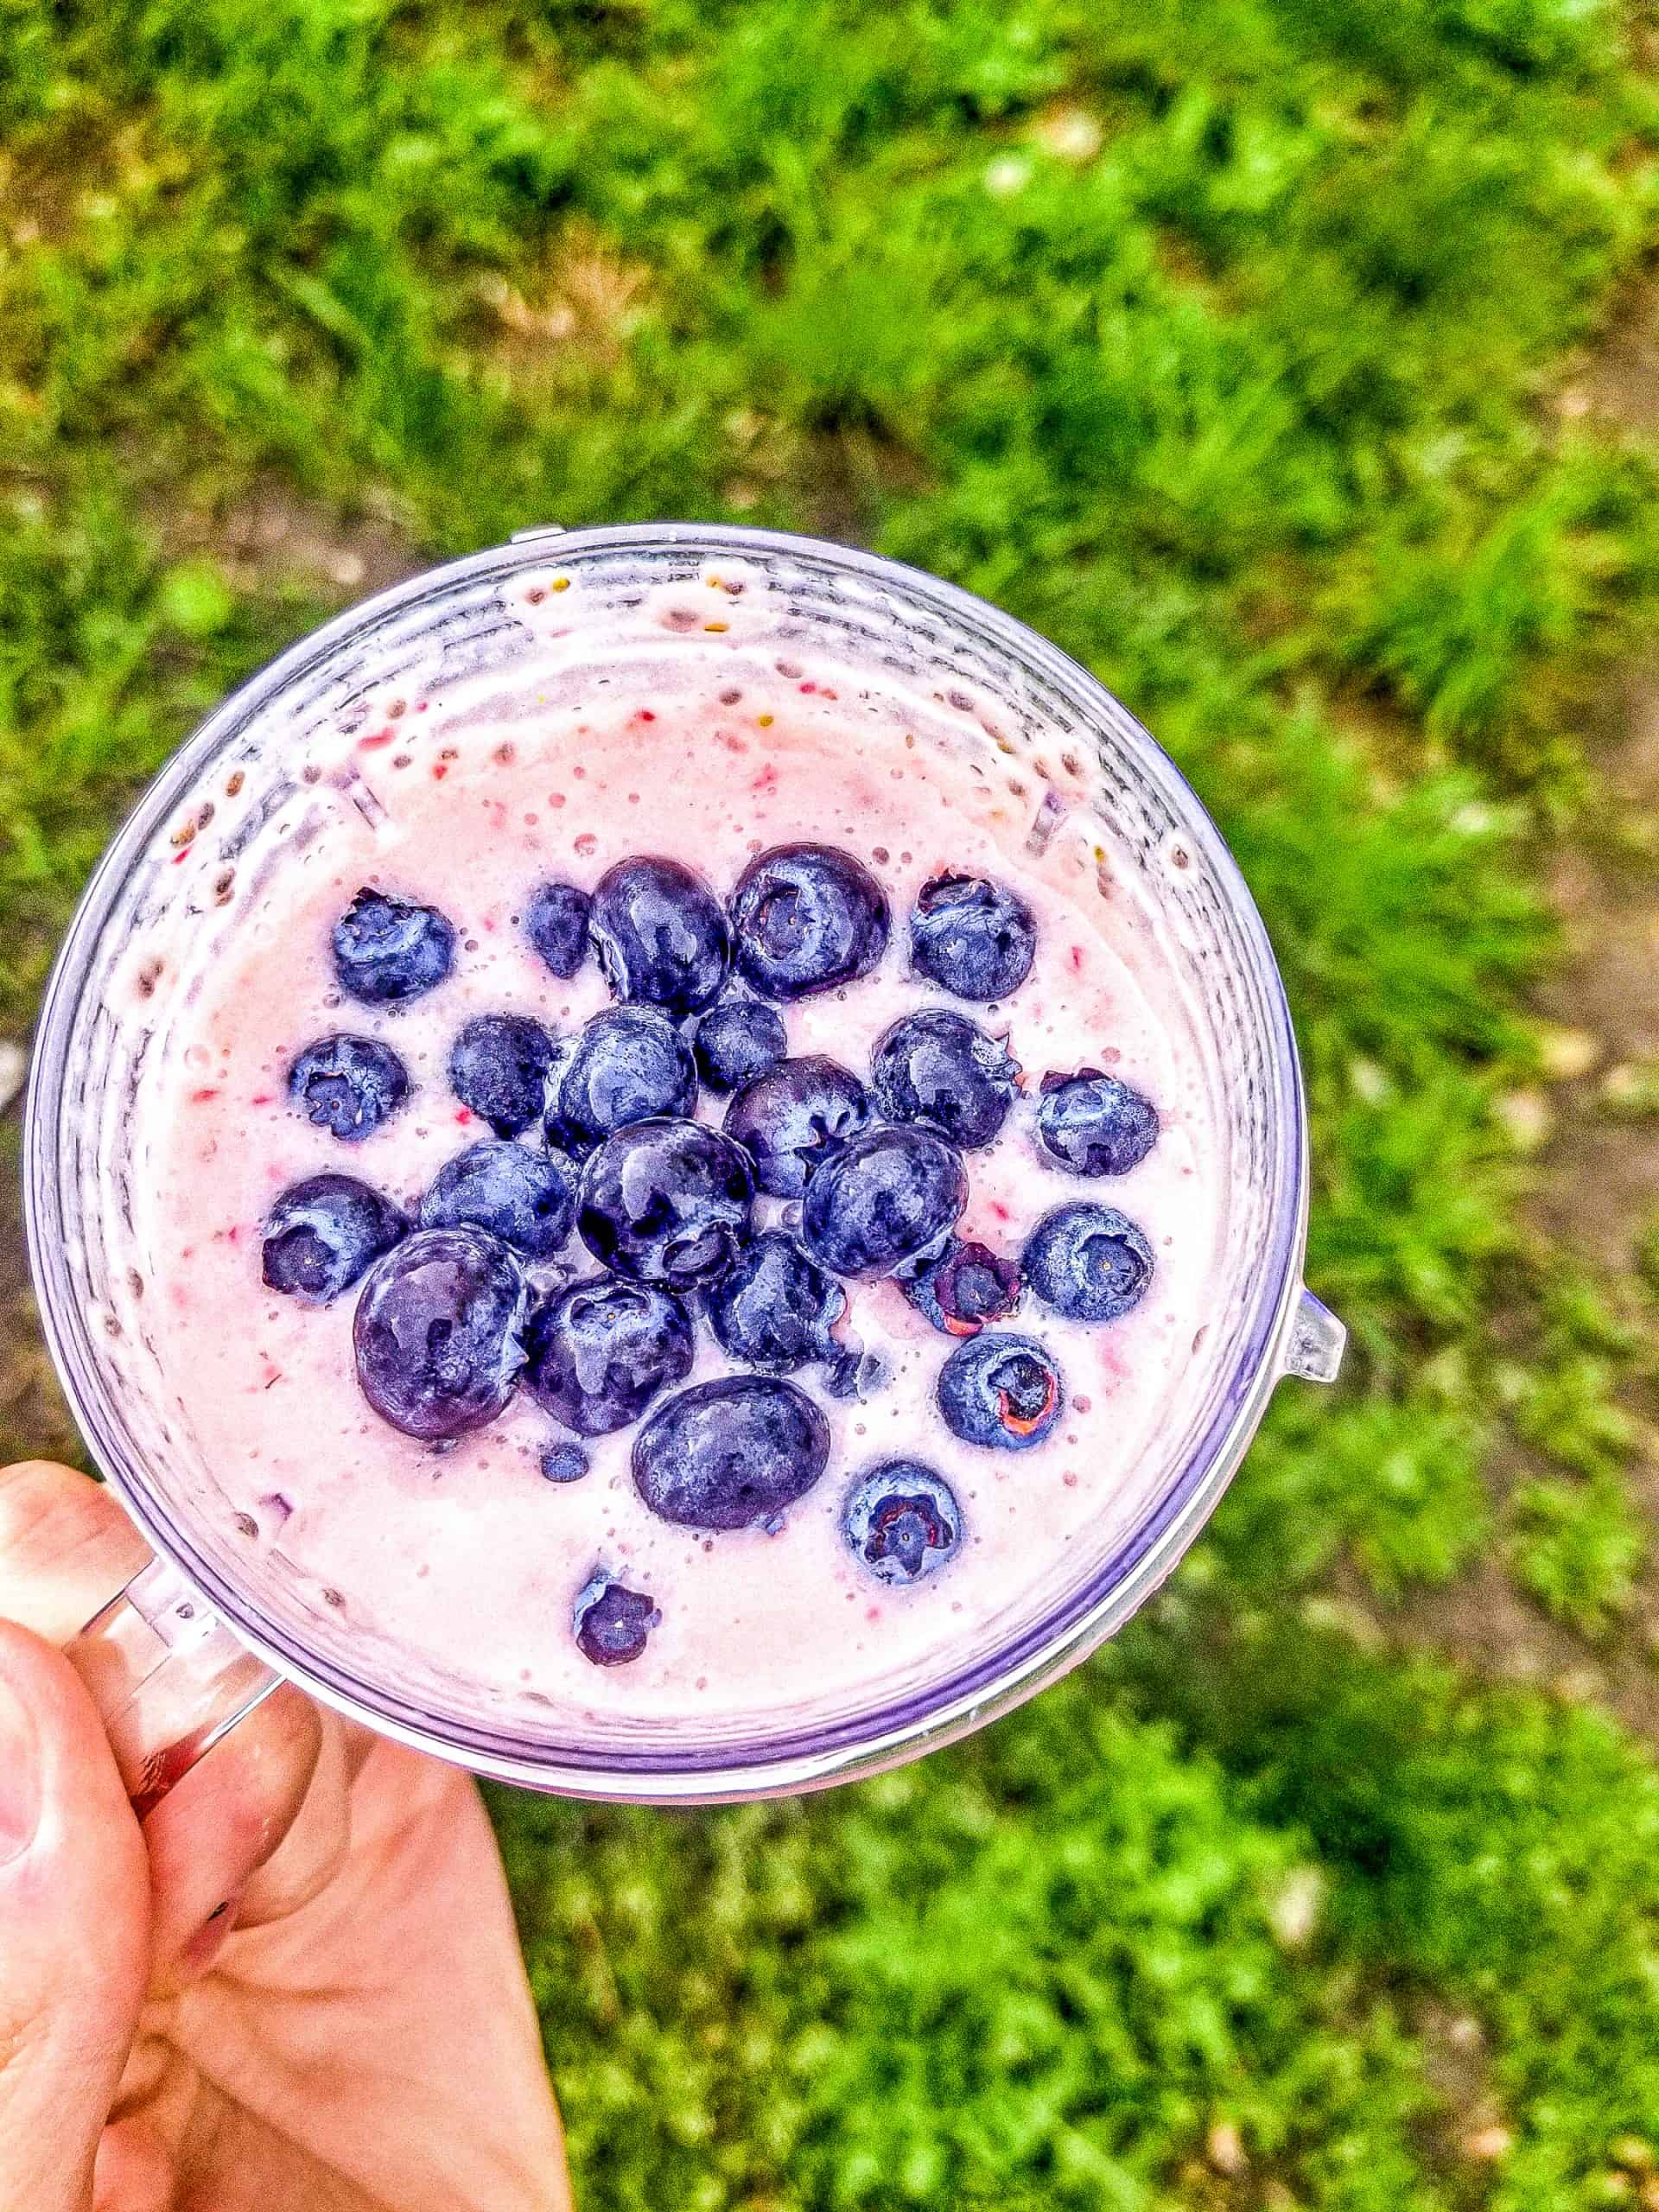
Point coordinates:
[[271, 540], [1597, 1170]]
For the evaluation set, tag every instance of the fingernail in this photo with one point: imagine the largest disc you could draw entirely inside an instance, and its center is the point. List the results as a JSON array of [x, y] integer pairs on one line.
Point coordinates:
[[20, 1776]]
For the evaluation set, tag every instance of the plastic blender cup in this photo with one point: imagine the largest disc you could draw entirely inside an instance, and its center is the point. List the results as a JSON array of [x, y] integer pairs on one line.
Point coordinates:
[[212, 1625]]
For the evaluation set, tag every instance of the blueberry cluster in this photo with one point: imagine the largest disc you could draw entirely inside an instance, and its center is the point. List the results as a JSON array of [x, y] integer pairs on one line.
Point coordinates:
[[458, 1306]]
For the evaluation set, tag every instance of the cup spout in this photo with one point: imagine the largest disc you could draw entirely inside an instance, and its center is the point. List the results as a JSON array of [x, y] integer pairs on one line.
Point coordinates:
[[1317, 1342]]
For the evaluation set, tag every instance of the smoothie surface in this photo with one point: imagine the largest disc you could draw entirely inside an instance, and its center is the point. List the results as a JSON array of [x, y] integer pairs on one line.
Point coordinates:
[[463, 1557]]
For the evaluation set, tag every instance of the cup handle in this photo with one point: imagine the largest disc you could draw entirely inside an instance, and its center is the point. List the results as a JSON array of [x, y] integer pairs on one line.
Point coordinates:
[[168, 1677], [1317, 1342]]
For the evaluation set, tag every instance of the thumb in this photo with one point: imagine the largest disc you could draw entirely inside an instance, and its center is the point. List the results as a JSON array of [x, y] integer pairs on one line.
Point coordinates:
[[74, 1936]]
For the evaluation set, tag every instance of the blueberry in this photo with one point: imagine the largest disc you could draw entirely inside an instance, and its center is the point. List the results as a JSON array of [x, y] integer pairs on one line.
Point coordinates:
[[941, 1070], [1092, 1124], [629, 1064], [966, 1287], [667, 1202], [1090, 1262], [322, 1233], [597, 1353], [973, 937], [738, 1041], [555, 922], [805, 918], [1001, 1390], [901, 1521], [387, 951], [499, 1066], [524, 1197], [730, 1454], [610, 1622], [791, 1121], [851, 1372], [659, 934], [774, 1307], [348, 1086], [437, 1332], [883, 1198], [565, 1463]]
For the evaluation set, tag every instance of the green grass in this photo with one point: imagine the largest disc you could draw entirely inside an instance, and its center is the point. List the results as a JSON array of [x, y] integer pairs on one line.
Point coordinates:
[[1219, 340], [888, 1998], [1577, 1548], [1494, 1847]]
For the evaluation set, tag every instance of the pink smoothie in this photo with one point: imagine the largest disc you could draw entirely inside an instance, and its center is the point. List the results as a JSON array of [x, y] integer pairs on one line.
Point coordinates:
[[462, 1566]]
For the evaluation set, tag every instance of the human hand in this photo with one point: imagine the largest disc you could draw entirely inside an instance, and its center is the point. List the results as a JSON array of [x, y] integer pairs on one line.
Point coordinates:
[[297, 1985]]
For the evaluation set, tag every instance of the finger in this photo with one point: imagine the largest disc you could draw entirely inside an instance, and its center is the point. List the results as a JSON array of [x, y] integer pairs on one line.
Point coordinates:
[[75, 1916], [313, 1849], [219, 1824], [310, 1854], [66, 1548]]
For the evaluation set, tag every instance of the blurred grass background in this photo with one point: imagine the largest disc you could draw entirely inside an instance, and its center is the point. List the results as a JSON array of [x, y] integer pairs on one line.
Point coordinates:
[[1231, 342]]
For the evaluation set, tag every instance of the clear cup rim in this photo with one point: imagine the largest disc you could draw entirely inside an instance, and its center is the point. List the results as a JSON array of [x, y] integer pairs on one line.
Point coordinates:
[[880, 1737]]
